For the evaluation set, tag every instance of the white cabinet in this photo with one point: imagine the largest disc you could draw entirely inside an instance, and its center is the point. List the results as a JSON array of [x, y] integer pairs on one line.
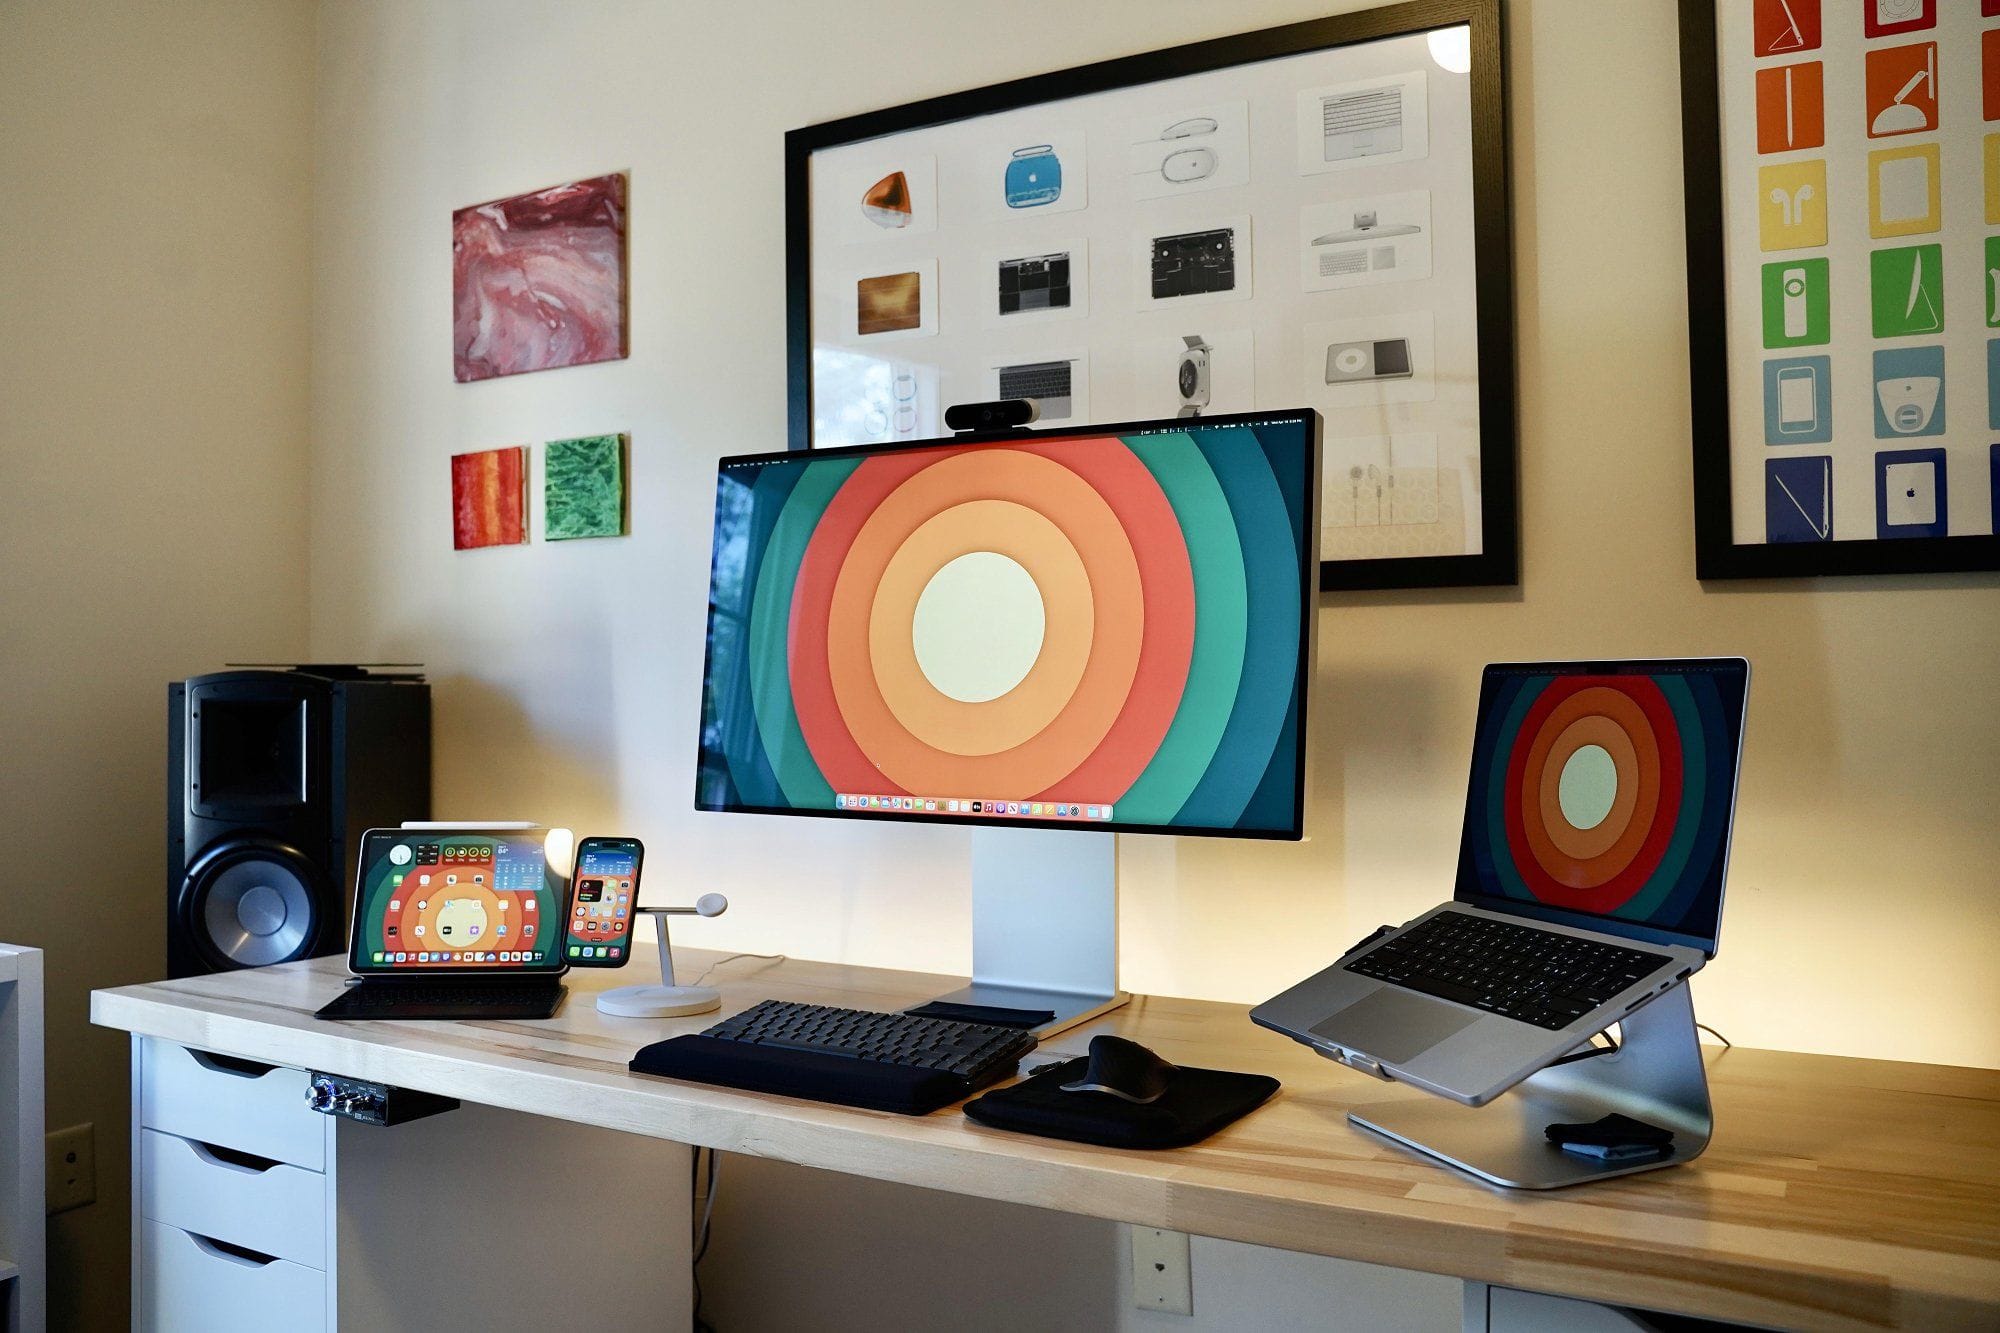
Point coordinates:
[[211, 1191], [23, 1296], [248, 1203], [254, 1108], [1505, 1310], [231, 1199], [201, 1285]]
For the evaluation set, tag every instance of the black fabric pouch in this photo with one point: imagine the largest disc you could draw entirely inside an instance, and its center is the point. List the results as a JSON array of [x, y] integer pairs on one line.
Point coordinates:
[[1196, 1104]]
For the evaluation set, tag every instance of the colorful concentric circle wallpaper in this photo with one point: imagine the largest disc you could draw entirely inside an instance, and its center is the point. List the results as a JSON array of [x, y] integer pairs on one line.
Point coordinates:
[[1607, 791], [1084, 628]]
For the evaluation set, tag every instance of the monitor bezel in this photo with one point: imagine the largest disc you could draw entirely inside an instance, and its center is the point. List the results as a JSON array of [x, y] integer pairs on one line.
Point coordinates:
[[1467, 892], [1308, 617]]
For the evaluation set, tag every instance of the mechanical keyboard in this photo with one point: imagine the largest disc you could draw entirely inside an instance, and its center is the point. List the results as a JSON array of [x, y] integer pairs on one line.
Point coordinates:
[[1538, 976]]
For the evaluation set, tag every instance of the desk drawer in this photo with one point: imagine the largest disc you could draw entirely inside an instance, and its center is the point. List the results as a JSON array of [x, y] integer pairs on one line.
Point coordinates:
[[190, 1282], [269, 1206], [231, 1103]]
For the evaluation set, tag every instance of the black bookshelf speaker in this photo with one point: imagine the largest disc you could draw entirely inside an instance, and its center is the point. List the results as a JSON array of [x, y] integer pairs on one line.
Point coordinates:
[[272, 775]]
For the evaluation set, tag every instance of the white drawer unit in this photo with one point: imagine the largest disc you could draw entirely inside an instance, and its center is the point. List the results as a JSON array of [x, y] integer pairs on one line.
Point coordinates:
[[193, 1282], [250, 1210], [269, 1206], [253, 1108]]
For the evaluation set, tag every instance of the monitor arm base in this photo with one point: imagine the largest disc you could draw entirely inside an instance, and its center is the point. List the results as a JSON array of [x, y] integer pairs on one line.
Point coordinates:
[[1656, 1075]]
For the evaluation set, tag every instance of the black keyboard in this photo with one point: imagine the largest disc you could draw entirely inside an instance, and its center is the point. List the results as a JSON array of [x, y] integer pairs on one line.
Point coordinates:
[[1541, 977], [445, 1000], [971, 1051], [856, 1057]]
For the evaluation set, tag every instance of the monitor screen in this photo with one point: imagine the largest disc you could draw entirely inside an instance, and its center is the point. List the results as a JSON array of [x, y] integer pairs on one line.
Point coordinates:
[[1096, 628], [429, 901], [1602, 794]]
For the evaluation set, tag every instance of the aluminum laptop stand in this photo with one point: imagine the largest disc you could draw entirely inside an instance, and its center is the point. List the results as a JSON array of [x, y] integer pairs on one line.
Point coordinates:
[[1655, 1075]]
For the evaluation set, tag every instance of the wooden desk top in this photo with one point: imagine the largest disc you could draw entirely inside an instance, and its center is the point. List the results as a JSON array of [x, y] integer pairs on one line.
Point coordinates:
[[1849, 1194]]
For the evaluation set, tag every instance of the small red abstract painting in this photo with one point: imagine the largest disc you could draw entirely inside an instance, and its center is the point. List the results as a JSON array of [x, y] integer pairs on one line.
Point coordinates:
[[489, 498], [538, 280]]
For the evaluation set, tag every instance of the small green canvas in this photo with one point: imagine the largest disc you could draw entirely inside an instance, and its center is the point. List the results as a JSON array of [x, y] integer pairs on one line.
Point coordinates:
[[583, 488]]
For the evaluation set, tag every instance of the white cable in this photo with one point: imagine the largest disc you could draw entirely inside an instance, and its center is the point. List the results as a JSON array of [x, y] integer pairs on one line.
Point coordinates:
[[732, 958]]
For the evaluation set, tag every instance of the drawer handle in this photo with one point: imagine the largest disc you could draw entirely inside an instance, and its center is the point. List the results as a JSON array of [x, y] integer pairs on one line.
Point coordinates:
[[233, 1065], [230, 1158], [240, 1255]]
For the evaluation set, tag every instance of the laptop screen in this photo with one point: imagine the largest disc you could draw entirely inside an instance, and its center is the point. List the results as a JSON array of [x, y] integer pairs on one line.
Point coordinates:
[[1602, 794]]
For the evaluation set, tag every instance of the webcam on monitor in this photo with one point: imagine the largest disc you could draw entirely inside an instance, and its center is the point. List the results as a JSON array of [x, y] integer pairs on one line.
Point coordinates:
[[1005, 414]]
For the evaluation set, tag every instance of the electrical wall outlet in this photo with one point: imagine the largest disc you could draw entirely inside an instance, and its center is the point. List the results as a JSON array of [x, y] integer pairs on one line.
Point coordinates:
[[71, 1171], [1161, 1277]]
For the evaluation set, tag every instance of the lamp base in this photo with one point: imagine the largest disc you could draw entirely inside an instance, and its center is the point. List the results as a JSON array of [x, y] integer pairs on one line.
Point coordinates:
[[659, 1001]]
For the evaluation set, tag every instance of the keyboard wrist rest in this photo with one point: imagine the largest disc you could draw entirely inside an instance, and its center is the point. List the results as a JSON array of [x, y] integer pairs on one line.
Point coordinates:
[[807, 1074]]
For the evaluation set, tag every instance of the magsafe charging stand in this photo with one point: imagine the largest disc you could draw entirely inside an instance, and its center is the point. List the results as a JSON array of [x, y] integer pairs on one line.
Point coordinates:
[[666, 1000]]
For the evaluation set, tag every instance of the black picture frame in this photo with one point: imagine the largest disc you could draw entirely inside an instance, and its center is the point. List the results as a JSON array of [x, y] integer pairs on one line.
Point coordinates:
[[1498, 562], [1718, 555]]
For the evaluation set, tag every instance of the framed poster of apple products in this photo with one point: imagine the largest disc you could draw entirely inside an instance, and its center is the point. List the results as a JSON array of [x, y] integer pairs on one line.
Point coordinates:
[[1843, 299], [1309, 215]]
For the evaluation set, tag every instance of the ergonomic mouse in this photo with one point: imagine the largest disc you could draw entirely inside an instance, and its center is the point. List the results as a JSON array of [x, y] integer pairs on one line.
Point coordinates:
[[1125, 1069]]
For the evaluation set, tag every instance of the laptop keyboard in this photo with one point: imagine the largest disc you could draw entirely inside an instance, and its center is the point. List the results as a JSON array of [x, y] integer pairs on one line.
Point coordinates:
[[1537, 976]]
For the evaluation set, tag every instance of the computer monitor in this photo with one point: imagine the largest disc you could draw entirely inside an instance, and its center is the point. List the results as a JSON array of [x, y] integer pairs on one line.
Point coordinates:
[[1105, 627]]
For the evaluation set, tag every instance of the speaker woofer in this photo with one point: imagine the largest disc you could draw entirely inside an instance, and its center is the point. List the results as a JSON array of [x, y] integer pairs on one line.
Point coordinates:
[[246, 904]]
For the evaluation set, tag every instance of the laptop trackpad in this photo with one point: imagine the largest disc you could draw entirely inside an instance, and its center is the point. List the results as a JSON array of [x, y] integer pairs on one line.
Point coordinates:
[[1394, 1026]]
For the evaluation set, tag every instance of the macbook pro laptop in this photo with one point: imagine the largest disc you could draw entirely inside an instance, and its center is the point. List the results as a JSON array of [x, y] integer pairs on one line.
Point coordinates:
[[455, 923], [1590, 877]]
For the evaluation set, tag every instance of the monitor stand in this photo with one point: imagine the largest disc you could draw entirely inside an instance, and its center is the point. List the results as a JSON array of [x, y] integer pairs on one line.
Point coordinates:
[[1044, 924]]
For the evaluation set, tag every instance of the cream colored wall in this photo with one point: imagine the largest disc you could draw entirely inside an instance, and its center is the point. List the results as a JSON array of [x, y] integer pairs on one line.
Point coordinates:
[[155, 185], [568, 675]]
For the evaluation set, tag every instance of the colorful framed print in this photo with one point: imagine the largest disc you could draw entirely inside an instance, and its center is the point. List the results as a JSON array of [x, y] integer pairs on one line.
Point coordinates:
[[1843, 197], [538, 280], [1087, 239]]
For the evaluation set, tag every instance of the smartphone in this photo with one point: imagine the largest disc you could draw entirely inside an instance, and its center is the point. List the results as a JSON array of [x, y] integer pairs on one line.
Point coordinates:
[[603, 902]]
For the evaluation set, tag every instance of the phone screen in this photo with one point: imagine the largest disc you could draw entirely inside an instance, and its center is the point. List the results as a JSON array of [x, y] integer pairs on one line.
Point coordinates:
[[603, 902]]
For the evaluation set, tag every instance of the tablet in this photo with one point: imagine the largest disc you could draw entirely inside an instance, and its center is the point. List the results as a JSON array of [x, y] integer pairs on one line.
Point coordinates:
[[483, 901]]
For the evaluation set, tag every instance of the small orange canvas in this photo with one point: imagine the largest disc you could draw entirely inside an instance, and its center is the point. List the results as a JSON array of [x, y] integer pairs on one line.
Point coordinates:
[[489, 498], [1791, 107]]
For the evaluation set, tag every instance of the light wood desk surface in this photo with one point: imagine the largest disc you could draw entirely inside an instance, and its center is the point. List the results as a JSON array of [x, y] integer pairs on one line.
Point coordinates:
[[1838, 1193]]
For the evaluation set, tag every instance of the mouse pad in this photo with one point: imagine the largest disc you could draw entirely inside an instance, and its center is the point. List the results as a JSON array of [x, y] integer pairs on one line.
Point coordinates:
[[1197, 1103], [1394, 1026]]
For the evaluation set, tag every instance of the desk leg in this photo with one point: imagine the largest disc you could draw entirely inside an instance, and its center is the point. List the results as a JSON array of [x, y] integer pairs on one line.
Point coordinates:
[[481, 1219]]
